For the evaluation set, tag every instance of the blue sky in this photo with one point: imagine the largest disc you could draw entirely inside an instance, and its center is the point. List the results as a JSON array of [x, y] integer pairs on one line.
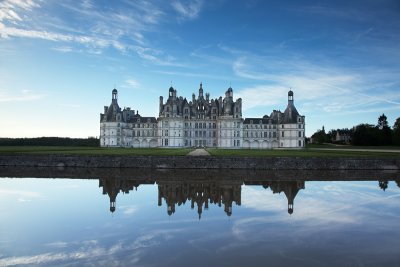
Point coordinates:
[[59, 60]]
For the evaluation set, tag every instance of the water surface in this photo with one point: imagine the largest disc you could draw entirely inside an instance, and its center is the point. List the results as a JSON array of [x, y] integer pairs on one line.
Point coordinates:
[[199, 219]]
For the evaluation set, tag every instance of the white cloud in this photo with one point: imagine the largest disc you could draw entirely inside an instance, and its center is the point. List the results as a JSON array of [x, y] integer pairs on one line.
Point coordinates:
[[25, 95], [63, 49], [89, 41], [9, 9], [189, 10], [157, 57], [332, 90], [128, 210], [21, 195]]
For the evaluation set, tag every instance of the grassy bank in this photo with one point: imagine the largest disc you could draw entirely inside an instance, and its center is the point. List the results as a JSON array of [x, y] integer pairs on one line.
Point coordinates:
[[308, 152], [64, 150], [340, 153]]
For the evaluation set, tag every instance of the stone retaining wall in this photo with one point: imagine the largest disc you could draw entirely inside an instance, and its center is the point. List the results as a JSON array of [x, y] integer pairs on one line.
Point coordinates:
[[185, 162]]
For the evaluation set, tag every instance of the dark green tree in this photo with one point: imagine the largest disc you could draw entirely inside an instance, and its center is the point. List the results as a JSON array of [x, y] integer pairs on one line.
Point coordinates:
[[396, 132], [320, 136], [365, 135], [383, 184], [385, 133], [382, 121]]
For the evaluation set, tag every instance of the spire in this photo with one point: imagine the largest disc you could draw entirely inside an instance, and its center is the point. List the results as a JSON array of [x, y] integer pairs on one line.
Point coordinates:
[[201, 90]]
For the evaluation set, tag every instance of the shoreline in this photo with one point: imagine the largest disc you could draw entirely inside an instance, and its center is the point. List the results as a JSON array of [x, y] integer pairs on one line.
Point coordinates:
[[200, 162]]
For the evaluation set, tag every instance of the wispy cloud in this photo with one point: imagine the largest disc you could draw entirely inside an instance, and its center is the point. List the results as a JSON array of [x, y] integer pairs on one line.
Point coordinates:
[[121, 27], [9, 9], [24, 95], [63, 49], [93, 250], [128, 210], [157, 57], [189, 9], [20, 194], [89, 41], [334, 89]]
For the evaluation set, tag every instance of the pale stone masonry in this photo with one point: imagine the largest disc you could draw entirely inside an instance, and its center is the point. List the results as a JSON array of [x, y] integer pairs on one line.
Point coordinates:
[[201, 122]]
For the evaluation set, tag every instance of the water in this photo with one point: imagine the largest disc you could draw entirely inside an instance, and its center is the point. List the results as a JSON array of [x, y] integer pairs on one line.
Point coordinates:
[[153, 218]]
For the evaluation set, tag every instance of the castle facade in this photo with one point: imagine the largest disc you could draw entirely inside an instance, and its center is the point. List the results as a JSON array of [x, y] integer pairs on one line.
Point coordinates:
[[201, 122]]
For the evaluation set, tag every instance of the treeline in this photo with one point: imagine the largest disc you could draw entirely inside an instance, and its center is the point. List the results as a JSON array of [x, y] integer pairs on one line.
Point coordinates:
[[50, 141], [362, 135]]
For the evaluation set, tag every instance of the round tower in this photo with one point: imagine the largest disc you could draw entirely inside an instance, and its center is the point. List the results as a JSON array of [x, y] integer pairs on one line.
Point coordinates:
[[114, 96], [290, 96]]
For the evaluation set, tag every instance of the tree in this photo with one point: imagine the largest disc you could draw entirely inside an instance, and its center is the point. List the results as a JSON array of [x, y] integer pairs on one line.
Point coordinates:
[[385, 133], [365, 135], [396, 132], [382, 121], [383, 184], [320, 136]]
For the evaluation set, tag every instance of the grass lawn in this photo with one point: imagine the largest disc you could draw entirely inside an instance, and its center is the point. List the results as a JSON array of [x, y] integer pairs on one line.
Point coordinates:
[[329, 146], [97, 151], [299, 153], [65, 150]]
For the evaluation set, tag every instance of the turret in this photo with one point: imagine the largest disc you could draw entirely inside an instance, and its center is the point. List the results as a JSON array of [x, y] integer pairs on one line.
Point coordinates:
[[161, 104], [201, 91], [290, 97], [114, 96]]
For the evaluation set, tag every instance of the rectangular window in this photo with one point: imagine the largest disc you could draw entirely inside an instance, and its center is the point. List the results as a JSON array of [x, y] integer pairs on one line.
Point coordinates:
[[299, 134], [283, 134]]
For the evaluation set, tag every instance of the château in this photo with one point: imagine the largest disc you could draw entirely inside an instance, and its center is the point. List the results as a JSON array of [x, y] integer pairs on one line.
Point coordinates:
[[201, 122]]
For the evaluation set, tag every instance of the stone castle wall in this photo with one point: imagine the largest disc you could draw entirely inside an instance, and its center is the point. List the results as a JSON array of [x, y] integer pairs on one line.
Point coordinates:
[[187, 162]]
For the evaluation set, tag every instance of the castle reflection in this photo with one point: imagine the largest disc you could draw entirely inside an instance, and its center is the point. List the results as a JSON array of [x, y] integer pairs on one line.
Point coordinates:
[[203, 193]]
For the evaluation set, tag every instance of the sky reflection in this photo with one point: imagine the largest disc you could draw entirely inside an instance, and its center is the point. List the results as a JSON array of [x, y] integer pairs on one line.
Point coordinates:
[[64, 222]]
